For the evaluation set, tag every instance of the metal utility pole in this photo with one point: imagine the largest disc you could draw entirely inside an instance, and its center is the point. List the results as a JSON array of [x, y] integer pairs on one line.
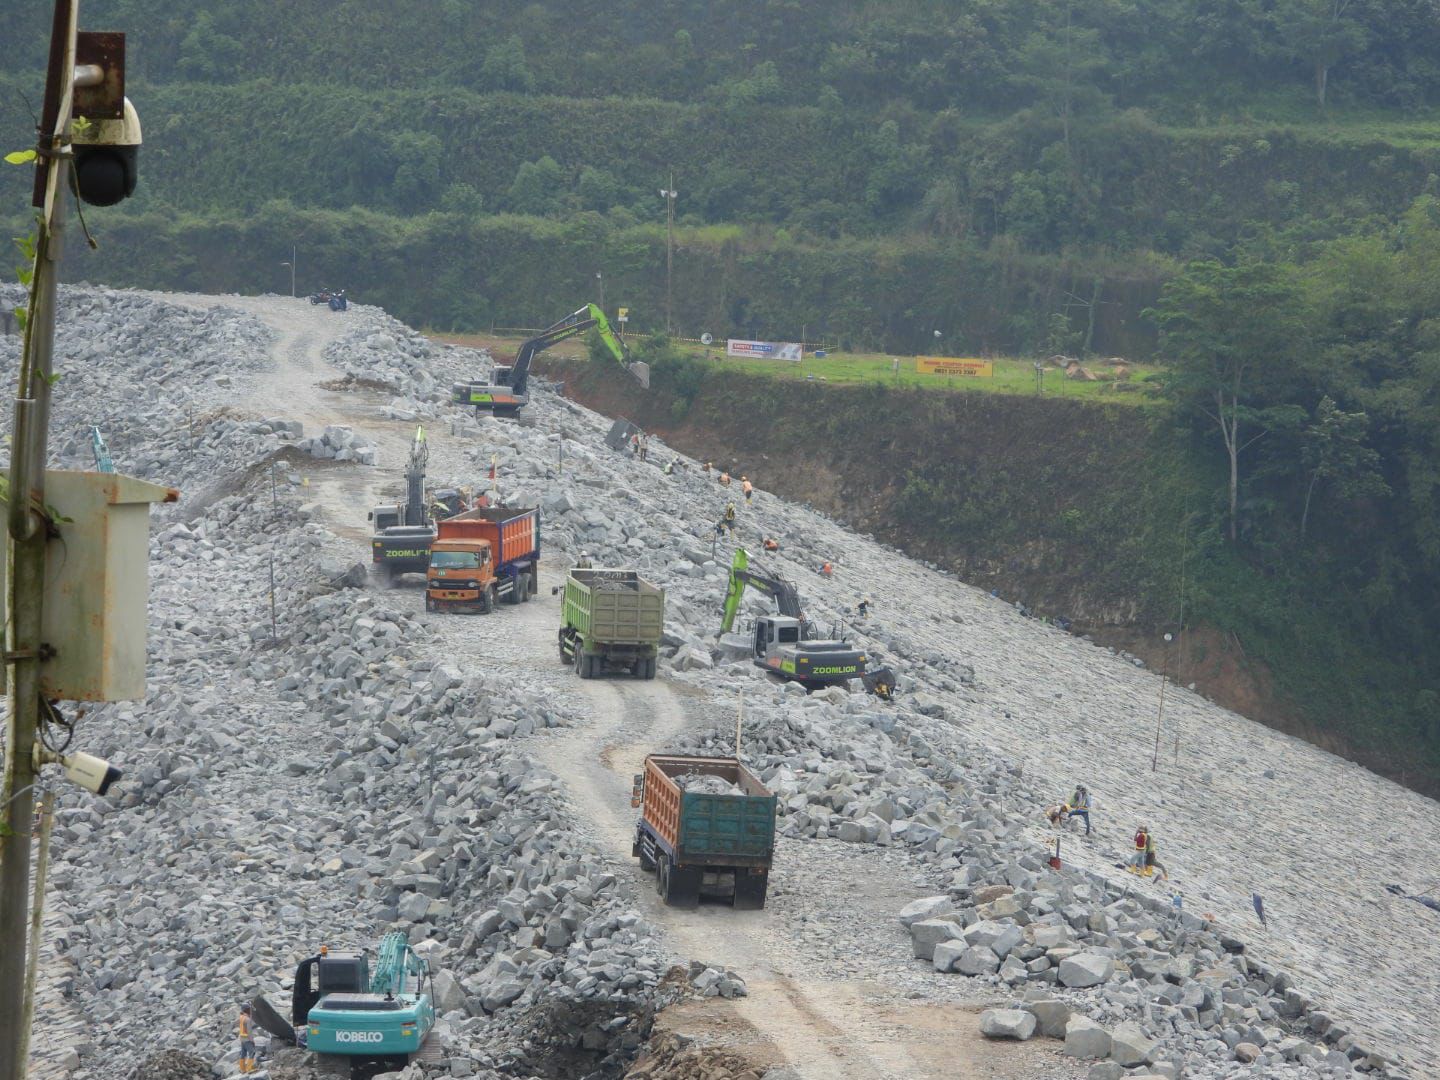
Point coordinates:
[[37, 916], [28, 533], [1160, 713], [600, 279], [291, 265], [668, 193]]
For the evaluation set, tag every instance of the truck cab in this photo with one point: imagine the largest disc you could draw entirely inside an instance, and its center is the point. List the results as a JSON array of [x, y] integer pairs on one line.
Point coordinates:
[[481, 557], [461, 572]]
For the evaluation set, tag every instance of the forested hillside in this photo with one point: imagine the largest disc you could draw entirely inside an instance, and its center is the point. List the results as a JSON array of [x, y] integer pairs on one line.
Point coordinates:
[[1246, 191], [1069, 154]]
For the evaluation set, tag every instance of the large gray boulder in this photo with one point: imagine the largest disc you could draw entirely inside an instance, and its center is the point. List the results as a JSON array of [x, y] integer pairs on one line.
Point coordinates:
[[502, 993], [946, 953], [1007, 1024], [1129, 1045], [448, 994], [693, 658], [927, 907], [1084, 1038], [927, 933], [1086, 969], [1051, 1015], [977, 960], [1000, 938]]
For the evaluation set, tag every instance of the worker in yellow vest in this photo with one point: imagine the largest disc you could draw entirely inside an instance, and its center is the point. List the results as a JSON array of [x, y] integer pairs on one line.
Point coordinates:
[[247, 1045]]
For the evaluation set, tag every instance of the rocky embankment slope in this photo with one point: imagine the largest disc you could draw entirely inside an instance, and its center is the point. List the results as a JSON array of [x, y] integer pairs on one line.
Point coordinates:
[[360, 765]]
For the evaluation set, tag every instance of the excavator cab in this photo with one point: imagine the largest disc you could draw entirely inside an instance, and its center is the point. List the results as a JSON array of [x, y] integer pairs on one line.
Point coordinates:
[[385, 517], [327, 973], [771, 631]]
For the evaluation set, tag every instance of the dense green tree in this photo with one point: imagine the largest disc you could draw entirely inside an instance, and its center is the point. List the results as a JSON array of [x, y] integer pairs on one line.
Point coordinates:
[[538, 187], [597, 189], [1334, 453], [505, 68], [207, 55], [1232, 336], [1320, 33]]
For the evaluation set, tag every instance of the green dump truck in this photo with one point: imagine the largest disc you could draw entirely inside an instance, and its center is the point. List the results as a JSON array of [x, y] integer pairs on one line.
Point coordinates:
[[707, 827], [611, 621]]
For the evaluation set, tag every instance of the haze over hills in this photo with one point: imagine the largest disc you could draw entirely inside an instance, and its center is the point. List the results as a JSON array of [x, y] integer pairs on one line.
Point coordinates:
[[1029, 177]]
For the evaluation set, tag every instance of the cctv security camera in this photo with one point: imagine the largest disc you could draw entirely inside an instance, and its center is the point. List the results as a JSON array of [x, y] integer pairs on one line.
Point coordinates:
[[106, 153], [90, 772]]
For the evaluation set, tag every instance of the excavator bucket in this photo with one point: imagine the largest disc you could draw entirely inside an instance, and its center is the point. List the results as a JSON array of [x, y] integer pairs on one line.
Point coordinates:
[[880, 682], [271, 1019]]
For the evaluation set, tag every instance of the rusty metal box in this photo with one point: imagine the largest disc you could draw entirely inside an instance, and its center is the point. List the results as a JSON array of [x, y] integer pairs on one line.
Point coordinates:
[[98, 585]]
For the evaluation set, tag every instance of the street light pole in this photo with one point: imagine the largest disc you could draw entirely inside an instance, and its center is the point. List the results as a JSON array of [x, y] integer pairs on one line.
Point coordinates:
[[291, 265], [668, 193], [600, 279]]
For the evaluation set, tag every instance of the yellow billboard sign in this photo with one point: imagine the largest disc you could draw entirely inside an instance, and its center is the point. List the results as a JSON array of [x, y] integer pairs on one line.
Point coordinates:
[[927, 365]]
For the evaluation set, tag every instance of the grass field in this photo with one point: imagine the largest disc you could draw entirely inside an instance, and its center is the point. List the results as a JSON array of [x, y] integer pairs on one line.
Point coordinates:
[[1011, 376]]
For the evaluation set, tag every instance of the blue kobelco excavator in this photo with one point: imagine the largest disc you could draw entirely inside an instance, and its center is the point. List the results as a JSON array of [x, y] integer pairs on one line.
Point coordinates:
[[376, 1019], [509, 391]]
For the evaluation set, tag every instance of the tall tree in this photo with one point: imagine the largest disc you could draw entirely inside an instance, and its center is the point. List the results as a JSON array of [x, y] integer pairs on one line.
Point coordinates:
[[1334, 452], [1320, 33], [1060, 63], [1232, 336]]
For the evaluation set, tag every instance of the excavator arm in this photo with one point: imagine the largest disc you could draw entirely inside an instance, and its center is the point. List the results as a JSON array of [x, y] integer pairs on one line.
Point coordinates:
[[574, 324], [787, 599], [103, 462], [395, 964], [415, 509]]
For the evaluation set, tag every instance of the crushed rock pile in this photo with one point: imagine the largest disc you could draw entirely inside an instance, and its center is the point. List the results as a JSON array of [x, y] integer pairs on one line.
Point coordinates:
[[312, 780], [413, 802]]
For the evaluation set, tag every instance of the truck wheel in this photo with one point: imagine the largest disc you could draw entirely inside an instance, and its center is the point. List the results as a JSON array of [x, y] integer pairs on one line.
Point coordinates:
[[649, 668], [750, 891], [682, 887], [526, 589], [582, 664], [487, 599], [662, 877], [429, 604], [515, 587]]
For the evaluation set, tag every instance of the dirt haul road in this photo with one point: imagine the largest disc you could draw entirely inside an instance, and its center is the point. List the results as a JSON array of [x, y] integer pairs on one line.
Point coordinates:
[[819, 1026]]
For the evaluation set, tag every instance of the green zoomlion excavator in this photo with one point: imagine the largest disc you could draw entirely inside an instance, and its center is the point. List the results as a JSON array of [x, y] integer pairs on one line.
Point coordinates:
[[404, 531], [789, 645], [508, 393]]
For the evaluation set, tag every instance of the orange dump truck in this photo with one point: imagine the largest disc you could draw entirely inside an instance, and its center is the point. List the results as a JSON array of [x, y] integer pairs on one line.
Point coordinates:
[[707, 825], [481, 557]]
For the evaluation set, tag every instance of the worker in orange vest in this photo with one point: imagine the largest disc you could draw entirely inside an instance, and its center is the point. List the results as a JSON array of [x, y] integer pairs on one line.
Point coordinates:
[[826, 568], [747, 487], [246, 1062]]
